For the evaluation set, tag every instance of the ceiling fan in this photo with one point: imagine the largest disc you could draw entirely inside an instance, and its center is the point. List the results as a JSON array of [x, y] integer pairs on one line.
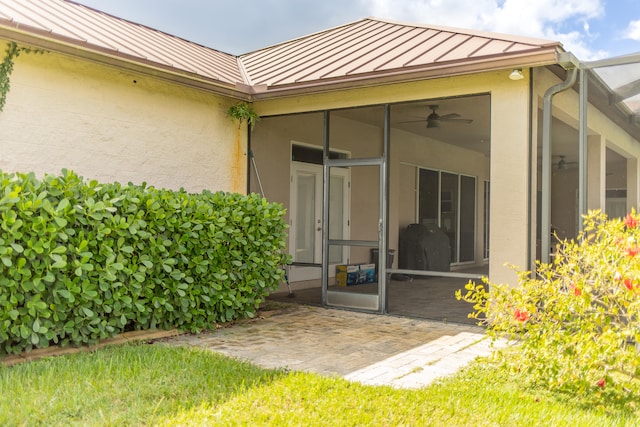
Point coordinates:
[[563, 164], [434, 119]]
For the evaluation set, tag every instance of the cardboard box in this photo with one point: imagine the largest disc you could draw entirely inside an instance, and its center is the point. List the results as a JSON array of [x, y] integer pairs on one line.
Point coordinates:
[[355, 274], [346, 275], [368, 273]]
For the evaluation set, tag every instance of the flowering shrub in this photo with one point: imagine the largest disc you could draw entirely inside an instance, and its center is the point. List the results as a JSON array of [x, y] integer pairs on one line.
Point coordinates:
[[577, 320]]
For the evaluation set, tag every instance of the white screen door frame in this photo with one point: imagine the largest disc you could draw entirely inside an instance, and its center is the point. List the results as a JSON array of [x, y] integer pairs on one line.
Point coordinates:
[[305, 219]]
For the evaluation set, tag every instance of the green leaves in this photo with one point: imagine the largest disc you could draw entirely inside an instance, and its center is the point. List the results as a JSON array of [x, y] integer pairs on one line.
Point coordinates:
[[90, 260], [243, 111]]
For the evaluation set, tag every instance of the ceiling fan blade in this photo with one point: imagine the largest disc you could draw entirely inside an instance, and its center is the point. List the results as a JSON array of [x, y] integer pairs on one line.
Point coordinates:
[[450, 116], [413, 121], [467, 121]]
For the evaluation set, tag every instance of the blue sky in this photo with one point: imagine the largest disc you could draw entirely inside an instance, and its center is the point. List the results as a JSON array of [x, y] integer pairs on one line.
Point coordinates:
[[591, 29]]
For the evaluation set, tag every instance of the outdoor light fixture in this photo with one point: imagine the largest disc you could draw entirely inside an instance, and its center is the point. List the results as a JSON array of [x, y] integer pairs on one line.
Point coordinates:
[[516, 74]]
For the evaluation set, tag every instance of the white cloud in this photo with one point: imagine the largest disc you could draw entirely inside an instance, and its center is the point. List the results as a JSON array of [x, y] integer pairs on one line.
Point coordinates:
[[633, 31], [565, 21]]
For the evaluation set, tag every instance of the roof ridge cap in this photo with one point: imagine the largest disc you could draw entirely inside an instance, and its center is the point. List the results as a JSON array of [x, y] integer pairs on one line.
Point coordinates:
[[243, 72]]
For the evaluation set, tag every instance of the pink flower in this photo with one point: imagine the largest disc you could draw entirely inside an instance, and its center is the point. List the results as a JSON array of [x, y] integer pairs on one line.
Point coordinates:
[[629, 284], [602, 382], [617, 277], [521, 315], [630, 221], [576, 290]]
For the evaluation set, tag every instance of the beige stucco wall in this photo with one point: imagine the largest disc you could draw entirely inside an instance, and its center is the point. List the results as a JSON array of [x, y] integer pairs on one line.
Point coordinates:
[[111, 125], [510, 186]]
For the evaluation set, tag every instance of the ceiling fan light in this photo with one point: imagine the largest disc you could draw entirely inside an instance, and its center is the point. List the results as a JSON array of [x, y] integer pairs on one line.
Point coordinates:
[[433, 124], [562, 164], [516, 74]]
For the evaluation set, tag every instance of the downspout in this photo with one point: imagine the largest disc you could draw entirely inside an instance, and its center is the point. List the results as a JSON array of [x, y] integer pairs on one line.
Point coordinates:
[[530, 183], [545, 223], [249, 160], [582, 148]]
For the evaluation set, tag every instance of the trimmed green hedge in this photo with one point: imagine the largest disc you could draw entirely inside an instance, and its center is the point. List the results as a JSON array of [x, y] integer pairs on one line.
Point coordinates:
[[81, 261]]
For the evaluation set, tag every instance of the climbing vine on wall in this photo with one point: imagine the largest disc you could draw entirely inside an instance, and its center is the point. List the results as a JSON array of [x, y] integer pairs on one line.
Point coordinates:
[[243, 111], [6, 67]]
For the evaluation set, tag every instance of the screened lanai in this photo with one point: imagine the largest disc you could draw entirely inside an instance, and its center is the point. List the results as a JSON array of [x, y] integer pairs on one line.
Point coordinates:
[[421, 167], [600, 169], [438, 182]]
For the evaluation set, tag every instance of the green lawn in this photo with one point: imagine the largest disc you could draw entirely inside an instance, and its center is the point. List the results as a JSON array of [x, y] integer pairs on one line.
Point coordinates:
[[161, 385]]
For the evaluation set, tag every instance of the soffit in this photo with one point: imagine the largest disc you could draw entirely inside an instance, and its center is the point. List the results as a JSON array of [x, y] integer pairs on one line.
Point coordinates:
[[373, 47], [93, 30]]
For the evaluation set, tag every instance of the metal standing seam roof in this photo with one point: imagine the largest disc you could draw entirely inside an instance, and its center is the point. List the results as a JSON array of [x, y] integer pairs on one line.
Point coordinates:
[[371, 46], [368, 48], [91, 29]]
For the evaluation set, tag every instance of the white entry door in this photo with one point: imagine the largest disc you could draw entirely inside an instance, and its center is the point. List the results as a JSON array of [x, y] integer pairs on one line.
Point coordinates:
[[305, 216]]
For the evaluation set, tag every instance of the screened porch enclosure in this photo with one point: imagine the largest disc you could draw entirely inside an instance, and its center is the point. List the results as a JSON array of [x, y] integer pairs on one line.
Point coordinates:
[[397, 173]]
